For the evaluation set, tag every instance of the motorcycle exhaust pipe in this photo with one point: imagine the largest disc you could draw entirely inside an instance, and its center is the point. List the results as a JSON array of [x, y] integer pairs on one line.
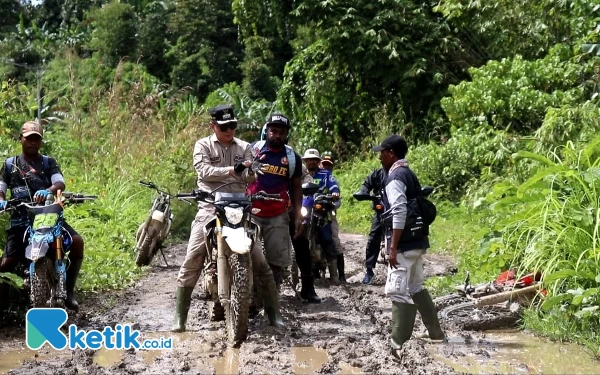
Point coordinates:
[[505, 296], [222, 269]]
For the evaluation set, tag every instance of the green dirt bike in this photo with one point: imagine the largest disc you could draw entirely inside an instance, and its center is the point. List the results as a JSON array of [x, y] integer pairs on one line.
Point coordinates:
[[229, 238]]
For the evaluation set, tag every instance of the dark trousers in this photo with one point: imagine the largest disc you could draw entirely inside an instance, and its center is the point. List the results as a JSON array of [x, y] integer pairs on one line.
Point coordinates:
[[302, 250], [374, 242]]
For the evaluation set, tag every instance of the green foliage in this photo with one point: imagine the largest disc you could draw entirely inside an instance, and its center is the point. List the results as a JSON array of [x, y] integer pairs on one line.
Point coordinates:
[[550, 223], [114, 35], [515, 93]]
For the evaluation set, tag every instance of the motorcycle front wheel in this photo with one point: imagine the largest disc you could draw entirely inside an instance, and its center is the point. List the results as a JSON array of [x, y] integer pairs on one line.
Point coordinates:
[[236, 313], [146, 250], [42, 281], [468, 317]]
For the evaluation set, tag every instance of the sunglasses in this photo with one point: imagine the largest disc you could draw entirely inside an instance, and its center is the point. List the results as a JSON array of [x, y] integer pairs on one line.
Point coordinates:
[[226, 127]]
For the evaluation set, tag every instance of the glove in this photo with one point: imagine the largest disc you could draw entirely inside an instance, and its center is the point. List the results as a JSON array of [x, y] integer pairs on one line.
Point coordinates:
[[258, 167], [239, 168], [2, 205], [41, 194]]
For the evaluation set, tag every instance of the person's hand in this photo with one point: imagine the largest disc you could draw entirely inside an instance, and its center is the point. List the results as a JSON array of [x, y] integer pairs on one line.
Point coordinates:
[[298, 227], [2, 205], [393, 255], [335, 196], [41, 195]]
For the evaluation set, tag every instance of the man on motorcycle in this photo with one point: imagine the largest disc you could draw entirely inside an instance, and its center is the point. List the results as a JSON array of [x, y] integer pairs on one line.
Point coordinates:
[[218, 159], [327, 185], [40, 175], [281, 174], [374, 182], [405, 271]]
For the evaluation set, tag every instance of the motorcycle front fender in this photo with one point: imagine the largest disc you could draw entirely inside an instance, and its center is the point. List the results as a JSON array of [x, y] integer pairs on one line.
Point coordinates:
[[237, 239], [158, 216], [37, 248]]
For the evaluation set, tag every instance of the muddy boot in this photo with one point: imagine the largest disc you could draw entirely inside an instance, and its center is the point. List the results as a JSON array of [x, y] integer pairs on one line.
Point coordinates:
[[72, 274], [333, 271], [277, 275], [340, 267], [184, 299], [308, 290], [270, 299], [368, 276], [403, 321], [429, 316]]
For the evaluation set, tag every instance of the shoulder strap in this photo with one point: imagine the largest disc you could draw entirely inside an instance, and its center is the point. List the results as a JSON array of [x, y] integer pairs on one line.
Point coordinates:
[[9, 164], [45, 162], [291, 157]]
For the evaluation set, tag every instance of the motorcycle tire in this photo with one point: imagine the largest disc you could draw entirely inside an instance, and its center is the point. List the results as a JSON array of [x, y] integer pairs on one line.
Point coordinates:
[[237, 311], [468, 317], [449, 300], [40, 291], [146, 251], [216, 311]]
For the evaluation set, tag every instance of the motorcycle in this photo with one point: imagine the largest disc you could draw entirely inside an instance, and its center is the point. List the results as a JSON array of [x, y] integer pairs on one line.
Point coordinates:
[[154, 230], [48, 244], [317, 212], [489, 305], [229, 239], [377, 205]]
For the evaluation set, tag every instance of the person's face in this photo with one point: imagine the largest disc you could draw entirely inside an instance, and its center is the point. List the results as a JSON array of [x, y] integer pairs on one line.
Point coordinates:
[[276, 136], [387, 158], [31, 144], [224, 132], [312, 164]]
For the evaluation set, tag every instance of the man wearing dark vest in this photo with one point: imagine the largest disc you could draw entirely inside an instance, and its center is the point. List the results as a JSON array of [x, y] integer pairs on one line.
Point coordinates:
[[404, 283]]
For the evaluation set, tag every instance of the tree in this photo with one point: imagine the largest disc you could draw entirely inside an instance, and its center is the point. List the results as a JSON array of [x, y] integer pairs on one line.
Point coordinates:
[[206, 53], [114, 35]]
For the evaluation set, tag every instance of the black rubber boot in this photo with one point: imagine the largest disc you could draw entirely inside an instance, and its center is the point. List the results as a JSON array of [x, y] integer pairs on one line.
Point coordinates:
[[72, 274], [270, 298], [308, 290], [340, 266], [403, 322], [184, 299], [429, 316]]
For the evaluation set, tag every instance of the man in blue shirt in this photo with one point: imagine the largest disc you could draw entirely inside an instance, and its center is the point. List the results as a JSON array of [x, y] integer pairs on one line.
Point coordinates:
[[328, 185]]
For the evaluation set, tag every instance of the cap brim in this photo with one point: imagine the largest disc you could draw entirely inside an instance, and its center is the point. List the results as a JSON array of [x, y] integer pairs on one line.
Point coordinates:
[[378, 148], [27, 134], [311, 157], [225, 122], [278, 124], [327, 161]]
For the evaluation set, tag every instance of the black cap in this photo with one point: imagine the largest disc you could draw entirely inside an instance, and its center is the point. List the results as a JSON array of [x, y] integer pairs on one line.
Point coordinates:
[[278, 119], [222, 114], [395, 143]]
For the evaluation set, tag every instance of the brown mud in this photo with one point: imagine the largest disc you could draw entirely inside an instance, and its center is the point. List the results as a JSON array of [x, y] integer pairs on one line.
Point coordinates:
[[346, 334]]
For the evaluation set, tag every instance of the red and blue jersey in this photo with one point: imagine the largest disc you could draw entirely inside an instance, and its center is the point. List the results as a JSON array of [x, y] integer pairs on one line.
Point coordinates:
[[275, 180]]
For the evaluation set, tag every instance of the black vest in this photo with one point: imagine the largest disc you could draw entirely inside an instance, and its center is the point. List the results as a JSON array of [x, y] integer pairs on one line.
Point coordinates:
[[413, 188]]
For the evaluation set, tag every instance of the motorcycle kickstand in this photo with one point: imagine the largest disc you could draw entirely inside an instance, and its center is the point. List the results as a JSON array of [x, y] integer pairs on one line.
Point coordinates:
[[164, 257]]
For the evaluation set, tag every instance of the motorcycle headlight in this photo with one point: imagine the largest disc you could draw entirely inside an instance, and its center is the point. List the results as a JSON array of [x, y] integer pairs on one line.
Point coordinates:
[[304, 211], [234, 215]]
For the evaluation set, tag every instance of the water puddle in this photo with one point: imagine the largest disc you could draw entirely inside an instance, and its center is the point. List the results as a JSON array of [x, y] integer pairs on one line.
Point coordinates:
[[228, 363], [347, 369], [309, 359], [11, 358], [109, 357], [515, 352]]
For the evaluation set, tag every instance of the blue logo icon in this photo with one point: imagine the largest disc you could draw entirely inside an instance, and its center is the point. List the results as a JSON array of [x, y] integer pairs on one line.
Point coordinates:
[[43, 326]]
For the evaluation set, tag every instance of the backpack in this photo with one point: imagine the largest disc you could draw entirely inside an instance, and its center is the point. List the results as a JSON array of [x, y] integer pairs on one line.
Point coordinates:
[[289, 154]]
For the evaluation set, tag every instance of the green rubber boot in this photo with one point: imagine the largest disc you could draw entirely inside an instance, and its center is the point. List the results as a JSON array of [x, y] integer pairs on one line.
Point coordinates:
[[403, 322], [429, 316], [184, 299]]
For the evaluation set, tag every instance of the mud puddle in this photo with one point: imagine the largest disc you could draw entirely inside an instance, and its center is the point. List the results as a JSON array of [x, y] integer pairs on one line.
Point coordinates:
[[513, 352]]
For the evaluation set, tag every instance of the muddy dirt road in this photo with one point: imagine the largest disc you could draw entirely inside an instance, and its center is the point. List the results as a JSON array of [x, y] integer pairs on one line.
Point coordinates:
[[346, 334]]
